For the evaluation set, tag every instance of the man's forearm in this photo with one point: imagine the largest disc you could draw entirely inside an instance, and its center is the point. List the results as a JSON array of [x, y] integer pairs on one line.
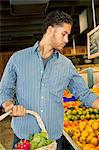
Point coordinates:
[[95, 104]]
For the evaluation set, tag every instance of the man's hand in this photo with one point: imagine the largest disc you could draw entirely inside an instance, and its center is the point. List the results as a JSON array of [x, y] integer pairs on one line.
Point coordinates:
[[95, 104], [17, 110], [7, 105]]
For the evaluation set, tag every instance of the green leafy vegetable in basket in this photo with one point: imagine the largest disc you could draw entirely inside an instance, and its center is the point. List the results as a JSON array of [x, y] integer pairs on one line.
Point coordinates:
[[39, 140]]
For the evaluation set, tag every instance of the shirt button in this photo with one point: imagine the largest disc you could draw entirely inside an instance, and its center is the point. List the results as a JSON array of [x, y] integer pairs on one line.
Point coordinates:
[[42, 84], [41, 71], [42, 97], [41, 110]]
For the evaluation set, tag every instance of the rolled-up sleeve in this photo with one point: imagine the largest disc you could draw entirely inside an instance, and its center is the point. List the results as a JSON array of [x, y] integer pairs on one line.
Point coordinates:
[[7, 84], [79, 89]]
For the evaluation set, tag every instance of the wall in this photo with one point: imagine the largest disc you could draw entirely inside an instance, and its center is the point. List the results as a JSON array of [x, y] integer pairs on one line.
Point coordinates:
[[4, 57]]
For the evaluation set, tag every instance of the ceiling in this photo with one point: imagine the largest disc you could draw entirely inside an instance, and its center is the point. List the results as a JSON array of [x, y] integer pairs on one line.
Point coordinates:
[[21, 20]]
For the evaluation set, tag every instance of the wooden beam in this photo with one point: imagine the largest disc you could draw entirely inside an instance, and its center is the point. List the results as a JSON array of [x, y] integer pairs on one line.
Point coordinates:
[[28, 9], [20, 33], [21, 21], [21, 28]]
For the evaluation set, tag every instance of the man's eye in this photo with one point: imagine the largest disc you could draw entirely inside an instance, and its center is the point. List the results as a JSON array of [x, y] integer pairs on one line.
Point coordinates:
[[63, 34]]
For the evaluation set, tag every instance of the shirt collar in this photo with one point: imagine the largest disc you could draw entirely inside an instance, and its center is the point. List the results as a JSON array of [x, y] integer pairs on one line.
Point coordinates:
[[36, 46], [56, 53]]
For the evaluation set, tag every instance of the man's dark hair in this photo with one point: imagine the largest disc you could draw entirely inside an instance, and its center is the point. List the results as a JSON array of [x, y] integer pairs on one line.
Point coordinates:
[[56, 18]]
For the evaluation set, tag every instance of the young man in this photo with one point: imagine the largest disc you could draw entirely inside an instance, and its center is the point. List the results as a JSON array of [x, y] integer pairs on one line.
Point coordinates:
[[40, 74]]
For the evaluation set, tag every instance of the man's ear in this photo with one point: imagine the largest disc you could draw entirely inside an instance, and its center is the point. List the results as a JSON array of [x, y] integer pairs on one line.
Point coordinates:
[[50, 29]]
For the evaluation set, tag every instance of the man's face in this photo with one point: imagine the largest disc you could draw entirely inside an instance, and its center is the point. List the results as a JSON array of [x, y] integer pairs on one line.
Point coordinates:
[[60, 36]]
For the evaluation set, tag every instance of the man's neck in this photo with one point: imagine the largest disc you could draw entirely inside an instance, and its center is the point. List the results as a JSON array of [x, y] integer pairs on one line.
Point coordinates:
[[45, 49]]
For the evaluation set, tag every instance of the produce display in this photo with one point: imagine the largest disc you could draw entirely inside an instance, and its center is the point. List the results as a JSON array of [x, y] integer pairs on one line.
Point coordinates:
[[82, 125], [35, 141]]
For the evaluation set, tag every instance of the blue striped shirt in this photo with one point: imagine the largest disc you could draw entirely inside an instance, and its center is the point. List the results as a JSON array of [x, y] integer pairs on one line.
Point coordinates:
[[41, 90]]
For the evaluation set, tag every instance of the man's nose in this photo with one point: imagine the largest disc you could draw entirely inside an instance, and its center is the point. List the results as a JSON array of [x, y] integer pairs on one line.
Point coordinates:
[[66, 39]]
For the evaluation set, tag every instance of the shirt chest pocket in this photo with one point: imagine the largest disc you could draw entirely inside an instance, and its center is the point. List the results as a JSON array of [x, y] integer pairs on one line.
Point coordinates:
[[56, 86]]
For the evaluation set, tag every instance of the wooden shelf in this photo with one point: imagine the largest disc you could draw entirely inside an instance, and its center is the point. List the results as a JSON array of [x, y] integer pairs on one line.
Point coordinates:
[[86, 66], [74, 54], [79, 50]]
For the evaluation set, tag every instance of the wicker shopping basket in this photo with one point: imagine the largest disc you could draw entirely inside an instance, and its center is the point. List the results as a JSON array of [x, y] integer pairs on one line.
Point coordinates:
[[51, 146]]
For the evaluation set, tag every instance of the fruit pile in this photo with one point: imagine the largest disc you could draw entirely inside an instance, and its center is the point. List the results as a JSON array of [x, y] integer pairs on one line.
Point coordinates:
[[69, 100], [71, 104], [84, 132], [35, 141], [81, 114], [82, 124]]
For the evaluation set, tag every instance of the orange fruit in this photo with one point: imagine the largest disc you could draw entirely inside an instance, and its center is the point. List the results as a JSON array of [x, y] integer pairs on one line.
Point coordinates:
[[87, 146]]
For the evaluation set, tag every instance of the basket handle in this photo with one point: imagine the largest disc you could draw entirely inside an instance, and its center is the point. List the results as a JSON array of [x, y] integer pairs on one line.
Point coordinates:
[[38, 118], [5, 115], [35, 114]]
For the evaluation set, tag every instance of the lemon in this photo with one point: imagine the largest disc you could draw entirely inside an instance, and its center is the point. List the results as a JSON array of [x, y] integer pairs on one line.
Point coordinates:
[[84, 133], [87, 116], [69, 117], [74, 118], [96, 111], [97, 116], [74, 112], [69, 112], [88, 139], [75, 138], [82, 117], [84, 112], [89, 129], [91, 109], [95, 125], [92, 116], [94, 141], [77, 133], [79, 112], [82, 139], [82, 125], [90, 122]]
